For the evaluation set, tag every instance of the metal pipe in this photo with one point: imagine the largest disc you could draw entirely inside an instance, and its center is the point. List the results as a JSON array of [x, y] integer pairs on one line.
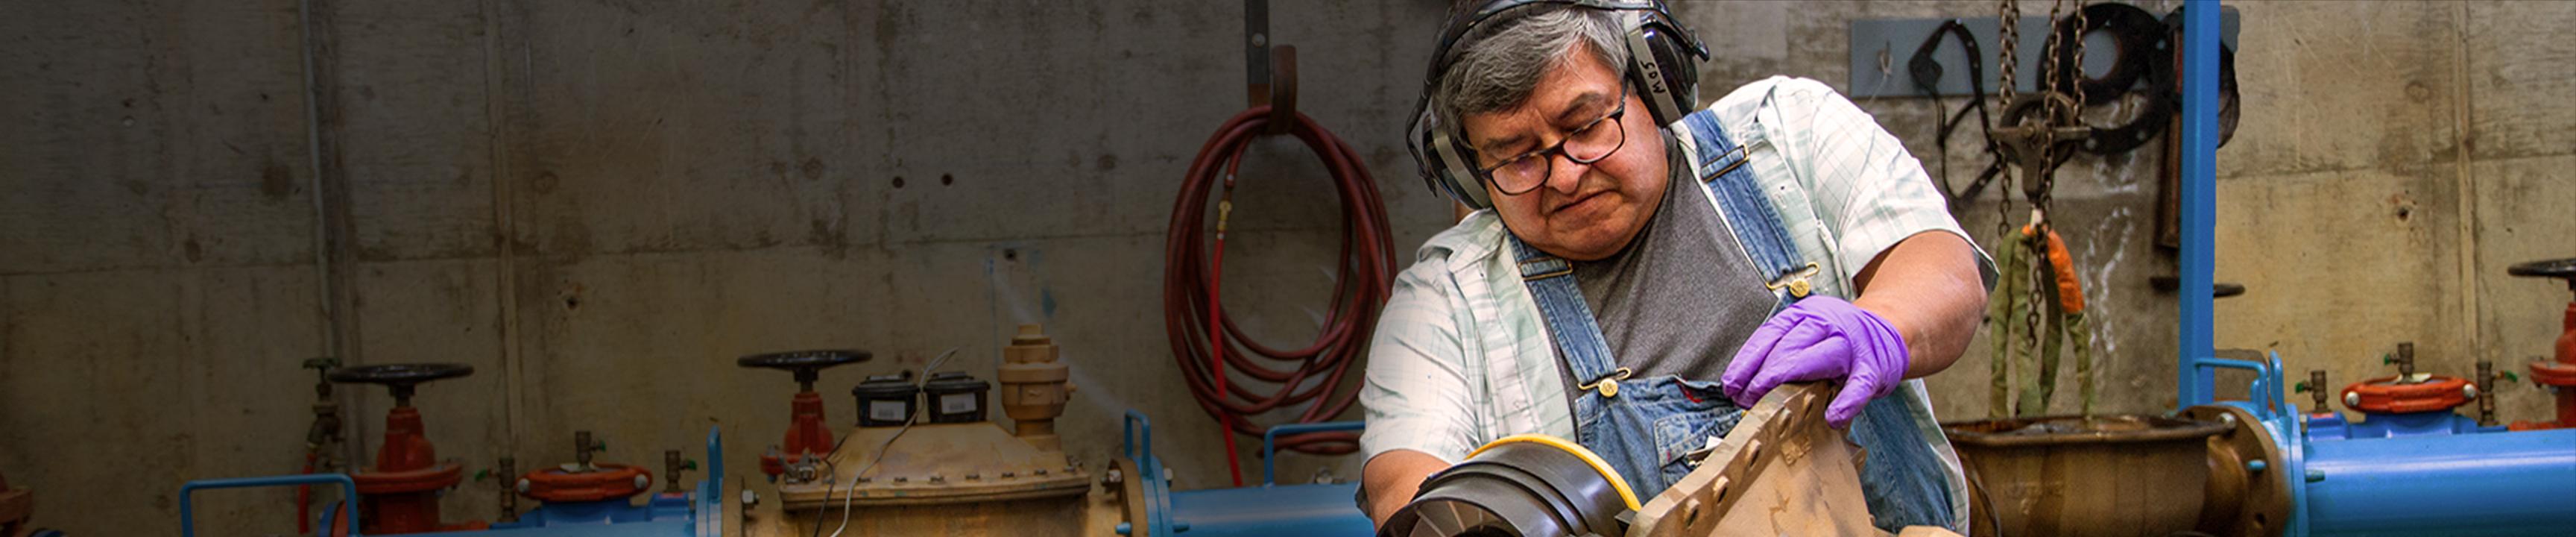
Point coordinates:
[[330, 244], [1266, 511], [2199, 180], [2461, 484]]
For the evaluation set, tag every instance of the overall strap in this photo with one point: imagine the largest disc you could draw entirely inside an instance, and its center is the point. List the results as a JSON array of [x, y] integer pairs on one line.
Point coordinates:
[[1551, 284], [1755, 222]]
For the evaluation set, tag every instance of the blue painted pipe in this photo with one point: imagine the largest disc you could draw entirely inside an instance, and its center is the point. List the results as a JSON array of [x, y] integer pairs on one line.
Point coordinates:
[[1272, 511], [2517, 483]]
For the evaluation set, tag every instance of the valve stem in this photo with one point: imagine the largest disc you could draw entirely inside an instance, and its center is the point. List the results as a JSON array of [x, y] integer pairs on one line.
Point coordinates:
[[2486, 393]]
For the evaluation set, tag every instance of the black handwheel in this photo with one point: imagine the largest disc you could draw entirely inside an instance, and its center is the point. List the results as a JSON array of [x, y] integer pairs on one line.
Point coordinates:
[[2564, 269], [400, 378], [806, 364]]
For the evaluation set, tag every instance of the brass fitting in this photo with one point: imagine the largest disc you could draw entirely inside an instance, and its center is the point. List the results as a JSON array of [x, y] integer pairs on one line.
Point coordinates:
[[1035, 387]]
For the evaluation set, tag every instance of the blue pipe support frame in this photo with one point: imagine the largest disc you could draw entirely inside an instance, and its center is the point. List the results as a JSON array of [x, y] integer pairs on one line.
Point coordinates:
[[188, 510], [2519, 483], [2199, 215], [688, 514], [1270, 443]]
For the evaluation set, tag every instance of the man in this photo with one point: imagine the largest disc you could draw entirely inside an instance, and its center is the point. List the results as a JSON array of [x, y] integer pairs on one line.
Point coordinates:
[[1639, 277]]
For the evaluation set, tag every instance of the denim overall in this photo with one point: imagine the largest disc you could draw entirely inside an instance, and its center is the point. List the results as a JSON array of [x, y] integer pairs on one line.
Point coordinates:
[[1643, 426]]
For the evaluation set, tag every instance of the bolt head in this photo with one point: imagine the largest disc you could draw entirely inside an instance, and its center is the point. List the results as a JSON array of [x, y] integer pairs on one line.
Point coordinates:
[[2351, 399], [642, 482], [2469, 391], [1115, 476], [523, 486], [749, 497]]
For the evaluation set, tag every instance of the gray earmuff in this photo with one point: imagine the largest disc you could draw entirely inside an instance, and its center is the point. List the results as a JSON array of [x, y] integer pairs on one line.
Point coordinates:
[[1662, 65]]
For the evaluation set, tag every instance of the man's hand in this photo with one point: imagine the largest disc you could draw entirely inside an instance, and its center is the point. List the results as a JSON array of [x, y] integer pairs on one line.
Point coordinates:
[[1389, 480], [1820, 338]]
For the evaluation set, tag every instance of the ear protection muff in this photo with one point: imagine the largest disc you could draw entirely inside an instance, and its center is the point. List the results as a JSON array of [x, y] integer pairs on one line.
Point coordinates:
[[1663, 67]]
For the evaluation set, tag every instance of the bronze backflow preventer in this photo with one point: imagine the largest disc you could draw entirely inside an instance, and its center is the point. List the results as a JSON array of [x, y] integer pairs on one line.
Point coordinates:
[[1034, 387]]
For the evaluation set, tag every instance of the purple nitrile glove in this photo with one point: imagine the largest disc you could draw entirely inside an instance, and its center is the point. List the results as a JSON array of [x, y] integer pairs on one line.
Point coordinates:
[[1820, 338]]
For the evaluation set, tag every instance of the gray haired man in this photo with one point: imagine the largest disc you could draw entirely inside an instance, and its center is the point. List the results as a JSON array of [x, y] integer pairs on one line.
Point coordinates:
[[1640, 269]]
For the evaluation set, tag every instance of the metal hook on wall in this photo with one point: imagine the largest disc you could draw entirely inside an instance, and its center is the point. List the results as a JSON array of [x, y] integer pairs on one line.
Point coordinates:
[[1270, 71]]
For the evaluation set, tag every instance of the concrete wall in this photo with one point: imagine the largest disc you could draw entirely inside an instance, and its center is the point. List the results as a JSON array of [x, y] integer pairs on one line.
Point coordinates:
[[600, 204]]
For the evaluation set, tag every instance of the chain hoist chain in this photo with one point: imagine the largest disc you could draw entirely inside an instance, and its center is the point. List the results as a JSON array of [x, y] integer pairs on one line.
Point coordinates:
[[2050, 109], [2048, 190], [2008, 15], [2081, 22]]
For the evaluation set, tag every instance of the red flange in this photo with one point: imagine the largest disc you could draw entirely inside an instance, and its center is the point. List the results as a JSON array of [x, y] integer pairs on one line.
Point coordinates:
[[400, 495], [608, 482], [2385, 396]]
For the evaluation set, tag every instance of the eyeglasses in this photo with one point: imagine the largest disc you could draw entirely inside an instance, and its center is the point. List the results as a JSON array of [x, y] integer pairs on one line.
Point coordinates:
[[1586, 144]]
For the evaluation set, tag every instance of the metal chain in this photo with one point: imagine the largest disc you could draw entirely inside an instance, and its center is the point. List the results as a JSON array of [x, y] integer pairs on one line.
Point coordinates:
[[2081, 22], [2048, 190], [2008, 14], [2050, 69]]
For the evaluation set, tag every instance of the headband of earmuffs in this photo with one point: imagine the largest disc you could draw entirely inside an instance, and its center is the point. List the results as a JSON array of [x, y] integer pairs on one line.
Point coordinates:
[[1663, 67]]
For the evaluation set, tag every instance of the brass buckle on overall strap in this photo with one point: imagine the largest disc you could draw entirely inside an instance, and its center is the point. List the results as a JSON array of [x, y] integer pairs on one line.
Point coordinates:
[[1797, 282], [1608, 385]]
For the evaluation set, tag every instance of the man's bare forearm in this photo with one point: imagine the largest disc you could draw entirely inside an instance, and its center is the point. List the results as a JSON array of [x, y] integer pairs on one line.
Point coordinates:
[[1927, 287], [1390, 479]]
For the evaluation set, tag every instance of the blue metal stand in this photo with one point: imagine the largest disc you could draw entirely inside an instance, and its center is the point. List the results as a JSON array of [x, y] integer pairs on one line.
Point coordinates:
[[188, 509]]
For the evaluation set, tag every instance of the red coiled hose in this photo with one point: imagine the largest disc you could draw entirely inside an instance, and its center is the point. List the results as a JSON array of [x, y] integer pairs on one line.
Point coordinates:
[[1311, 375]]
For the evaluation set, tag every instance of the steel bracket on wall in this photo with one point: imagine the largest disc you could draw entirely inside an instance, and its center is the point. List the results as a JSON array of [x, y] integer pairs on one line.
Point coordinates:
[[1880, 48], [1269, 70]]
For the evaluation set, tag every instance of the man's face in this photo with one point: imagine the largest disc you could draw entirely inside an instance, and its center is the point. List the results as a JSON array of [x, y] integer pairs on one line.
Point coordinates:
[[1583, 211]]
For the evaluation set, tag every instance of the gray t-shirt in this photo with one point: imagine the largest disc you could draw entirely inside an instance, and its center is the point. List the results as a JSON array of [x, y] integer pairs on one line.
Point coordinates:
[[1681, 298]]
